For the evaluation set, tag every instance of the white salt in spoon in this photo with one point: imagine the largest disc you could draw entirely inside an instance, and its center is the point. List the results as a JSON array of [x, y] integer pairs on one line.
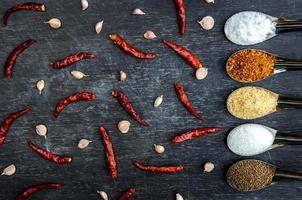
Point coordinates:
[[253, 139], [250, 27]]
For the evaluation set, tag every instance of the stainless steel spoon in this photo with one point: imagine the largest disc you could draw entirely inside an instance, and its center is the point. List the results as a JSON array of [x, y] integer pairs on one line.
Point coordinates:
[[279, 64], [253, 139], [250, 27], [250, 175]]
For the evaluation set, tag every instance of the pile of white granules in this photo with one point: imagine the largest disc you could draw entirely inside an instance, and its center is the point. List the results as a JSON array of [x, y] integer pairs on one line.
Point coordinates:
[[250, 139], [249, 27]]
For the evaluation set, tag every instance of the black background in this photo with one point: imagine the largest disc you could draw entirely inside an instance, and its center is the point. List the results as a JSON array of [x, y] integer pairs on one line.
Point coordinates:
[[146, 80]]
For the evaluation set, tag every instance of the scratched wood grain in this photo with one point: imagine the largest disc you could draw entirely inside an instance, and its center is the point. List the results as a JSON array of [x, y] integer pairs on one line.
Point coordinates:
[[146, 80]]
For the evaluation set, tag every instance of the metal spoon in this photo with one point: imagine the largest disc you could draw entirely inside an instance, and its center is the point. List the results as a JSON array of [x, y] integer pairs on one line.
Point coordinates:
[[282, 102], [250, 175], [281, 64], [250, 31], [253, 139]]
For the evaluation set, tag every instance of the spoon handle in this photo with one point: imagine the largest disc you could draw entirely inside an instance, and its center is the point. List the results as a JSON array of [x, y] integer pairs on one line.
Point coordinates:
[[288, 174], [288, 25], [288, 139], [288, 64], [289, 102]]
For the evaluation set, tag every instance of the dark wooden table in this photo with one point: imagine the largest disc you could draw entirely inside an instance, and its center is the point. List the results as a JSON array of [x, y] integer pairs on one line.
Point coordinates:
[[146, 80]]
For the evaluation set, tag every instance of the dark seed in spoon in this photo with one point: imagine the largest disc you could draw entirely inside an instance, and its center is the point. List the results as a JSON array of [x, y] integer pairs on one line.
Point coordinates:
[[249, 175], [250, 65]]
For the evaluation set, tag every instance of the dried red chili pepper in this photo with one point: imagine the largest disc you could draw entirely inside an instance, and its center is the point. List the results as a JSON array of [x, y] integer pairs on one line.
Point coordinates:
[[119, 41], [22, 6], [181, 13], [129, 193], [13, 56], [26, 194], [71, 59], [124, 101], [48, 155], [187, 55], [109, 152], [185, 101], [156, 169], [195, 133], [8, 122], [83, 96]]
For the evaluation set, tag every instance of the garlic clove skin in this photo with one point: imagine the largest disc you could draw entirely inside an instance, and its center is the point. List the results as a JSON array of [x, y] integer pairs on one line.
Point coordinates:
[[123, 76], [158, 101], [159, 148], [83, 143], [54, 23], [78, 75], [99, 27], [149, 35], [179, 197], [210, 1], [208, 167], [9, 170], [40, 86], [103, 195], [84, 4], [207, 23], [41, 130], [201, 73], [124, 126], [138, 11]]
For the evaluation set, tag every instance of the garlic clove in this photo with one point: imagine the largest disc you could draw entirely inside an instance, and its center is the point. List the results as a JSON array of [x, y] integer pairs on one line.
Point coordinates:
[[123, 76], [208, 167], [149, 35], [159, 148], [179, 197], [84, 4], [83, 143], [210, 1], [40, 86], [103, 195], [99, 27], [41, 129], [201, 73], [78, 75], [207, 23], [9, 170], [158, 101], [54, 23], [123, 126], [138, 11]]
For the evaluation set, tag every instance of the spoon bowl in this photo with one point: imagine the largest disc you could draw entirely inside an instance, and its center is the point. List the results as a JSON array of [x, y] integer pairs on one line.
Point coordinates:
[[250, 27], [251, 175], [252, 65]]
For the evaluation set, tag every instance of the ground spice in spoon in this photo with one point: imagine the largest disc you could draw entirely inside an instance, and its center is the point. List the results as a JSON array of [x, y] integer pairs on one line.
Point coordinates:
[[250, 65], [252, 102], [249, 175]]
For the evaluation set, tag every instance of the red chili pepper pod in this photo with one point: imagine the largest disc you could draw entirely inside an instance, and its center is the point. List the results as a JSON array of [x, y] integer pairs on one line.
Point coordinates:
[[48, 155], [83, 96], [8, 122], [187, 55], [127, 48], [156, 169], [181, 13], [26, 194], [71, 59], [126, 104], [23, 6], [109, 152], [128, 194], [195, 133], [185, 101], [13, 56]]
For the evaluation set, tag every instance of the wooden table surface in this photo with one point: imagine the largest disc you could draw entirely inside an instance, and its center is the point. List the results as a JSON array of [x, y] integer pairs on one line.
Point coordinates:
[[146, 80]]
